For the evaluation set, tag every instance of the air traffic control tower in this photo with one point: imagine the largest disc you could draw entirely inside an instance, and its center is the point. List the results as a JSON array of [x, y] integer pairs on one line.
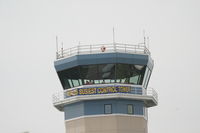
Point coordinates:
[[105, 88]]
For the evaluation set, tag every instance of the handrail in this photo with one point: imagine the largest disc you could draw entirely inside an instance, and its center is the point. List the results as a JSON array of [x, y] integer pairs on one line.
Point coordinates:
[[135, 90], [102, 48]]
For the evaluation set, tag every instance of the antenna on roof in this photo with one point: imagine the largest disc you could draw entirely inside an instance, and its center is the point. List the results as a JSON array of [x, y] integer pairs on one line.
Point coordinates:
[[62, 49], [113, 35], [56, 46], [148, 43], [144, 37]]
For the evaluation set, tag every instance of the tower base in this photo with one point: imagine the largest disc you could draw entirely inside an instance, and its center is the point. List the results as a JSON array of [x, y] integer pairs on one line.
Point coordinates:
[[113, 123]]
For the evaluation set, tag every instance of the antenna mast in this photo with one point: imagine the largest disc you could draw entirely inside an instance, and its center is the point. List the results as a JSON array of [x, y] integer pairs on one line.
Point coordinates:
[[62, 49], [56, 46], [113, 35], [148, 43], [144, 37]]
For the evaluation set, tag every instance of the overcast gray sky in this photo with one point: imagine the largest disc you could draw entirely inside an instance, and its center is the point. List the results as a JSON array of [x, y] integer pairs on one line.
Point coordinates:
[[27, 51]]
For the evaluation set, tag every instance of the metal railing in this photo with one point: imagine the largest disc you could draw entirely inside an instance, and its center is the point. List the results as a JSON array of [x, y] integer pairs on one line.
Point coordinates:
[[135, 90], [102, 48]]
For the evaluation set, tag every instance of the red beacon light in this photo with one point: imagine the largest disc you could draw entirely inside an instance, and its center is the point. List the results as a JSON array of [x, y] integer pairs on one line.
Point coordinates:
[[103, 49]]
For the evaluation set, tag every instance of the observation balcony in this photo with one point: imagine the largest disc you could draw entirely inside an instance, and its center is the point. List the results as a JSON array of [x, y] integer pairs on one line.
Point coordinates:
[[105, 91], [102, 48]]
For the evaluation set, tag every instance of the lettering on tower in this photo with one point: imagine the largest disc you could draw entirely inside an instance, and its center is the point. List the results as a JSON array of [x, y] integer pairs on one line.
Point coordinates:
[[98, 90]]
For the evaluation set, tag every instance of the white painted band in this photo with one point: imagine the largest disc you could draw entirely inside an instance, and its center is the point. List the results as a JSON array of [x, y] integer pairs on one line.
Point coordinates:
[[103, 115]]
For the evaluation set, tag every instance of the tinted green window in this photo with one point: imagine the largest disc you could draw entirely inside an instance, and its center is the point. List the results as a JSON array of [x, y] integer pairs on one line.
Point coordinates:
[[102, 74]]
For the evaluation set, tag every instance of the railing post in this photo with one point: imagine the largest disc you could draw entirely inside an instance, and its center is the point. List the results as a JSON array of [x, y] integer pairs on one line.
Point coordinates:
[[62, 52], [114, 47], [90, 49], [145, 50], [78, 50], [135, 49], [57, 55]]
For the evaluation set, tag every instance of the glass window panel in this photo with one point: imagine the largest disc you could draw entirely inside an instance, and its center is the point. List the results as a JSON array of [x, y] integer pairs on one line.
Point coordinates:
[[123, 80], [65, 83], [118, 80], [122, 71], [84, 81], [96, 81], [107, 108], [91, 81], [129, 73], [127, 81], [75, 82], [107, 81], [70, 82], [106, 71], [133, 80], [87, 82], [67, 75], [112, 81], [102, 81], [80, 82], [130, 109], [147, 78]]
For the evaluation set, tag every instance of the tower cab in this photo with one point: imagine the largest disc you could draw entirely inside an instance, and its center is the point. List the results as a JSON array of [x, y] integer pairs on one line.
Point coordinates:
[[116, 69]]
